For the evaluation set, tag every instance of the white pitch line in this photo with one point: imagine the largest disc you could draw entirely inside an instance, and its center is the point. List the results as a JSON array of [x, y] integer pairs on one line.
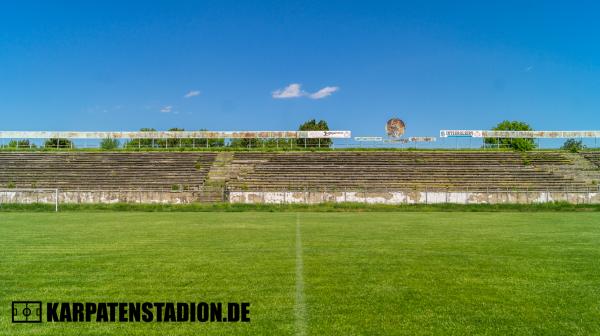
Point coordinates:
[[299, 306]]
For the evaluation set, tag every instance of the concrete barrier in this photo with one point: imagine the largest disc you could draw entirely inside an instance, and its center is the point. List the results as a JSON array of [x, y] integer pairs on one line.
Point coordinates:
[[414, 197], [302, 197], [97, 196]]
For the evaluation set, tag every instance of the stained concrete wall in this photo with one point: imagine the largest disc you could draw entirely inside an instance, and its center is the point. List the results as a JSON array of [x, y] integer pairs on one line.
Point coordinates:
[[416, 197], [308, 197], [132, 196]]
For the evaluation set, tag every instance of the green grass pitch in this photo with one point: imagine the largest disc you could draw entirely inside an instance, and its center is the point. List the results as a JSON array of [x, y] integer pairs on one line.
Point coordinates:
[[312, 273]]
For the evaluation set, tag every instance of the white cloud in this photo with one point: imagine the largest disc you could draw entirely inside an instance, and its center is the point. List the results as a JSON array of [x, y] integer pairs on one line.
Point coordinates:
[[191, 94], [324, 92], [291, 91], [167, 109], [295, 91]]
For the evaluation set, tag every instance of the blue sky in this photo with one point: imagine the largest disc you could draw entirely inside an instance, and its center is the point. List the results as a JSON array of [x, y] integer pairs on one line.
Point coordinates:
[[112, 65]]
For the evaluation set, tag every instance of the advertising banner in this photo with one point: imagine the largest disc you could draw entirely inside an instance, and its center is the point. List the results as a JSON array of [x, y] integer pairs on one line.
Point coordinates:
[[173, 134]]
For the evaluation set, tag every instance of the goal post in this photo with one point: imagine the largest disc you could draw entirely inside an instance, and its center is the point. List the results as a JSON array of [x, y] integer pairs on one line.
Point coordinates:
[[29, 196]]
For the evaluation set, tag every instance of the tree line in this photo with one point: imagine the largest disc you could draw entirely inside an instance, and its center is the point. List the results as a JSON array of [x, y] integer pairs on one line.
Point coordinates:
[[525, 144], [519, 144], [110, 143]]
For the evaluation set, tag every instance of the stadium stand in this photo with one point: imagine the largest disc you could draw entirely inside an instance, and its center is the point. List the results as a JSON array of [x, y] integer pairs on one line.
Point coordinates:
[[400, 170], [289, 170], [105, 171], [594, 157]]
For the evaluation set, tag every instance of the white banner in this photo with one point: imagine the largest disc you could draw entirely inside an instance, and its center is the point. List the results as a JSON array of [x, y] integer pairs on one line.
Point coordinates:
[[519, 134], [174, 134], [371, 138], [460, 133], [326, 134]]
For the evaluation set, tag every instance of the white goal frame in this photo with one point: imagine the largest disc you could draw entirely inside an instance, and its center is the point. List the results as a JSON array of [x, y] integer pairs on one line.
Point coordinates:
[[11, 196]]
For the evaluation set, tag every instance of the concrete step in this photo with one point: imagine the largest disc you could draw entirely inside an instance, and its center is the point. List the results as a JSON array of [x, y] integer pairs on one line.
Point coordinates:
[[580, 169], [221, 170]]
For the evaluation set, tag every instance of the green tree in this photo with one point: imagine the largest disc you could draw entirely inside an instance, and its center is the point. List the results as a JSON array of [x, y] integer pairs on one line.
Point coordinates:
[[138, 143], [190, 142], [313, 125], [109, 144], [211, 142], [277, 143], [573, 145], [520, 144], [20, 144], [58, 143], [262, 143], [246, 142], [174, 142]]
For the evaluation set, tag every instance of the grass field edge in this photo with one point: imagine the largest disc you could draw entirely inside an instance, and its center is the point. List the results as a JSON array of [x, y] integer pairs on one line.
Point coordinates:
[[323, 207]]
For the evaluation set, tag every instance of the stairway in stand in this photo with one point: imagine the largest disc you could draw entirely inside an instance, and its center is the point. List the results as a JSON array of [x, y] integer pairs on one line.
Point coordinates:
[[220, 172]]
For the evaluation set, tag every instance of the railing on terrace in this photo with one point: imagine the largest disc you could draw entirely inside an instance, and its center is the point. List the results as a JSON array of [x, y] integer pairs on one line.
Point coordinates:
[[281, 144]]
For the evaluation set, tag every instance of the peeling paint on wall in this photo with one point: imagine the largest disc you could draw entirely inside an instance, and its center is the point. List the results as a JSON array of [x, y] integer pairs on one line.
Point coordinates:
[[417, 197], [303, 197]]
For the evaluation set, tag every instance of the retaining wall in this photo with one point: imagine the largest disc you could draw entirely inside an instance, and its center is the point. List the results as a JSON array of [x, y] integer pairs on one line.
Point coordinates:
[[307, 197], [96, 196], [414, 197]]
